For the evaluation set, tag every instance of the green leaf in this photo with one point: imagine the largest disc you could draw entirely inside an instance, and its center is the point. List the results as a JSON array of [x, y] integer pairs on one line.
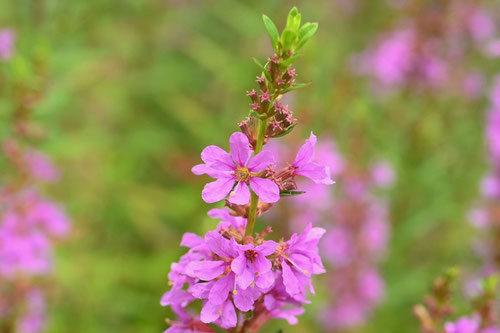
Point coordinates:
[[296, 86], [272, 31], [263, 67], [285, 63], [305, 33], [285, 132], [293, 20], [291, 193], [288, 38]]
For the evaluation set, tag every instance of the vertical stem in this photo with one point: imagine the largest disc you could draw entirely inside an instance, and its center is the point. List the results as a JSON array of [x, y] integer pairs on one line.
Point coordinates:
[[255, 199]]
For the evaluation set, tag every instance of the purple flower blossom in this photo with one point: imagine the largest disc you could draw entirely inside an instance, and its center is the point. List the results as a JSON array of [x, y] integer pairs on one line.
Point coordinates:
[[304, 166], [236, 170], [252, 265]]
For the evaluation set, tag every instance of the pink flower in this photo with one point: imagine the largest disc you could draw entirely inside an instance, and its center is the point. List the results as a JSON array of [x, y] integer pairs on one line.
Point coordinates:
[[7, 39], [236, 170], [463, 325], [252, 265], [304, 166]]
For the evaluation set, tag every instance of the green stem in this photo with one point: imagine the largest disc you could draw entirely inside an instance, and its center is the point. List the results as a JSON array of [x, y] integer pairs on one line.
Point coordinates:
[[252, 213]]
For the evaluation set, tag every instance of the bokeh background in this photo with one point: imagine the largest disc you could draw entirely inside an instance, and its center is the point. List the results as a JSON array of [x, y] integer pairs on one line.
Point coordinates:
[[131, 92]]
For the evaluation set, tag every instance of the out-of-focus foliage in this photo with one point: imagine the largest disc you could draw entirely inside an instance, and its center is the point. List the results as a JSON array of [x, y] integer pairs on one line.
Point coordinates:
[[133, 90]]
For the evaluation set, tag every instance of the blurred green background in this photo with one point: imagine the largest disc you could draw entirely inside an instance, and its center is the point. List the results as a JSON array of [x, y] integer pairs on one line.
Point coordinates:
[[132, 92]]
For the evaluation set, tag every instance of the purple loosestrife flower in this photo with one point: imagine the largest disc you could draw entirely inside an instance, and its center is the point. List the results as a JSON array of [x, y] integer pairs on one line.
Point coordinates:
[[236, 170], [304, 166], [252, 265], [463, 325]]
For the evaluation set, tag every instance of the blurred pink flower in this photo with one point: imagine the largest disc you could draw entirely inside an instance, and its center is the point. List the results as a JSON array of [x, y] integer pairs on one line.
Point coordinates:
[[7, 40]]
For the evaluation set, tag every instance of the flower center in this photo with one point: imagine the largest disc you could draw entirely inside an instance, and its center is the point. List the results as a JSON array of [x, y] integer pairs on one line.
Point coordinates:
[[242, 174], [251, 254]]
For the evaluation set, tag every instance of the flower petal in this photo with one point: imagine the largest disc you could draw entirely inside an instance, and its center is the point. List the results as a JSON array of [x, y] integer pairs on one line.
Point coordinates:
[[217, 158], [221, 246], [240, 195], [210, 312], [318, 173], [265, 281], [306, 152], [262, 264], [207, 270], [243, 299], [220, 290], [261, 161], [239, 264], [240, 148], [290, 280], [245, 278], [191, 240], [267, 248], [217, 190], [265, 189], [201, 290], [228, 317]]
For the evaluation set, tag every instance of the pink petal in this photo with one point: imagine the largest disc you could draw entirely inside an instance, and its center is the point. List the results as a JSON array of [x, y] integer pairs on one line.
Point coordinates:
[[239, 264], [240, 195], [245, 278], [317, 173], [306, 152], [221, 246], [265, 280], [228, 317], [244, 300], [240, 148], [191, 240], [265, 189], [207, 270], [217, 190], [201, 290], [267, 248], [220, 290], [290, 280], [217, 158], [261, 161], [210, 312], [262, 264]]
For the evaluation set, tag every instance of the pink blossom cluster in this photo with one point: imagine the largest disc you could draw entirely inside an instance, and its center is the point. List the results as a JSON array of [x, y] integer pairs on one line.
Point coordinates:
[[423, 51], [486, 216], [233, 273], [241, 277], [29, 223]]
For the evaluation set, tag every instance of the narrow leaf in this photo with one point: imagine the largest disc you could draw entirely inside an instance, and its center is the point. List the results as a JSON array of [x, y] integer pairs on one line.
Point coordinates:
[[285, 63], [291, 193], [296, 86], [263, 68], [288, 38], [272, 31], [285, 132], [305, 33], [293, 20]]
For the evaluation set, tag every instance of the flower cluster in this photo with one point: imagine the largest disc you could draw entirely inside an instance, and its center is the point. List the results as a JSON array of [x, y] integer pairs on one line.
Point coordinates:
[[486, 215], [242, 278], [423, 50], [29, 223]]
